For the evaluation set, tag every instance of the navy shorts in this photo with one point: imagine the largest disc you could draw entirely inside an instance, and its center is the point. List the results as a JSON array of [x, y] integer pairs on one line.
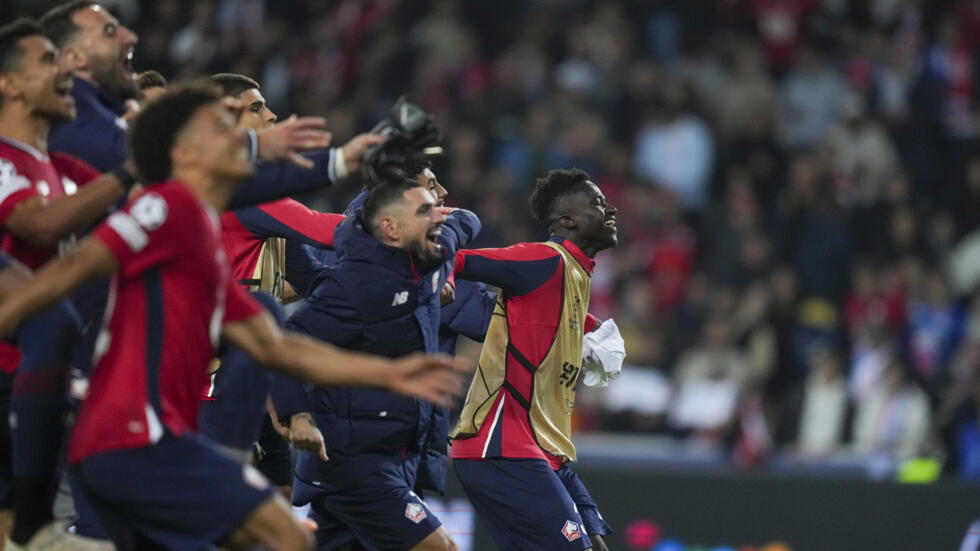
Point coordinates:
[[375, 504], [528, 506], [178, 494]]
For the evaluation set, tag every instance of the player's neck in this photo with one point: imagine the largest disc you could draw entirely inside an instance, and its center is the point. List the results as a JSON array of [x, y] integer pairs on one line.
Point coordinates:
[[209, 189], [587, 248], [19, 125]]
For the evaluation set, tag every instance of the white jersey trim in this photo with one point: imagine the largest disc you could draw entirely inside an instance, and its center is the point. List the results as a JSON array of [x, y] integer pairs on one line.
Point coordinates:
[[129, 230]]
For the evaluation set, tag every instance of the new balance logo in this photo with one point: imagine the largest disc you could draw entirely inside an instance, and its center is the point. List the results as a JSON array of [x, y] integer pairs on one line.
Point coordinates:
[[400, 298]]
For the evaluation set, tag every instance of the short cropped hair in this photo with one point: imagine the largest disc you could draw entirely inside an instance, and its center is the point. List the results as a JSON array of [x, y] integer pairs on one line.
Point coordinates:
[[150, 79], [549, 189], [385, 193], [57, 22], [11, 53], [154, 131], [233, 84]]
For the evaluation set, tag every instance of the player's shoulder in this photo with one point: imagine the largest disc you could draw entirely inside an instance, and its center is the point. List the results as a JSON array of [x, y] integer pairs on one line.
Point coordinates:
[[20, 158], [67, 163], [169, 203]]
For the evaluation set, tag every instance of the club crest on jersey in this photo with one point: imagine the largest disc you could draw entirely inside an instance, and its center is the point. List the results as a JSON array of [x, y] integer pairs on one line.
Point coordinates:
[[571, 531], [415, 512]]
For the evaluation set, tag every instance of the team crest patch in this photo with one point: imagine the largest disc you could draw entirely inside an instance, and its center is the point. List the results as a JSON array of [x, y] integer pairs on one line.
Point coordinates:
[[415, 512], [571, 531]]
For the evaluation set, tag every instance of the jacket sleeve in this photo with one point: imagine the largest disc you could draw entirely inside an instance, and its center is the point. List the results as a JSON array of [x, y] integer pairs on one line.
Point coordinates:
[[292, 220], [277, 180], [518, 269], [304, 264], [460, 227], [469, 315]]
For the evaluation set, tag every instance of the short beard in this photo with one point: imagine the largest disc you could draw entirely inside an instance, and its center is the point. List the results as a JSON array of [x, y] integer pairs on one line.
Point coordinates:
[[427, 260], [110, 77]]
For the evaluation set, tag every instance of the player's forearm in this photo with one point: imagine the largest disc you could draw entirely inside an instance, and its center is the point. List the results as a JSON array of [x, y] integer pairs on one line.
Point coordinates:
[[324, 364], [66, 215], [53, 282]]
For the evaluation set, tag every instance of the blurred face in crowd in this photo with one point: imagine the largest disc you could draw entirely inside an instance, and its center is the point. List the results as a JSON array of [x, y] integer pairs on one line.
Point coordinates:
[[41, 79], [212, 144], [106, 50], [256, 114]]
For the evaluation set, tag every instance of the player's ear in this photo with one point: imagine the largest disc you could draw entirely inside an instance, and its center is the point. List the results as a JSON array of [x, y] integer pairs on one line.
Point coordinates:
[[567, 221], [8, 86], [73, 58], [388, 226]]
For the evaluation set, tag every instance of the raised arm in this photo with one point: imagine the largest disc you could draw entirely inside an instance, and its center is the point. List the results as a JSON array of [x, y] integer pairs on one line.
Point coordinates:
[[43, 223], [292, 220], [518, 269], [433, 378]]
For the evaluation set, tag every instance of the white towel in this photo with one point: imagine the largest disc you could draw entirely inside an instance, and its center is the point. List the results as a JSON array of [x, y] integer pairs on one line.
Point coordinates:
[[603, 352]]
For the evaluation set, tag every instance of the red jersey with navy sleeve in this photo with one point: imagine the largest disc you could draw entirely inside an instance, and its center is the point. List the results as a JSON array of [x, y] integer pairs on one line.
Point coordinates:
[[26, 172], [171, 294], [254, 238], [519, 404]]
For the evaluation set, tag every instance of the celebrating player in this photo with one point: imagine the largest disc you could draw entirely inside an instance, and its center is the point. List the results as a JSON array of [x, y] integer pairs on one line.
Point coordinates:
[[173, 296], [512, 441], [396, 253], [44, 198]]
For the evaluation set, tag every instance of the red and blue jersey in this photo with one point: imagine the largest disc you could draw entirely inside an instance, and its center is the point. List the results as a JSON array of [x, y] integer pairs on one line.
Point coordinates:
[[520, 402], [26, 172], [171, 294], [244, 232]]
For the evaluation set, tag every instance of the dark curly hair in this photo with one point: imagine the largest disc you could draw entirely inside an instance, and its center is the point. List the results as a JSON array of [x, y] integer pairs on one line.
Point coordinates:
[[549, 189], [155, 129]]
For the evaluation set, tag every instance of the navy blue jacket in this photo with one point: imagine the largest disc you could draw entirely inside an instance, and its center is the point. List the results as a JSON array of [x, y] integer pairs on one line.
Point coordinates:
[[468, 315], [374, 300]]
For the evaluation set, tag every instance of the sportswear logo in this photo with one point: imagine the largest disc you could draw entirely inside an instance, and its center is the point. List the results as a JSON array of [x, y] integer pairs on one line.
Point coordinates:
[[400, 298], [415, 512], [571, 531]]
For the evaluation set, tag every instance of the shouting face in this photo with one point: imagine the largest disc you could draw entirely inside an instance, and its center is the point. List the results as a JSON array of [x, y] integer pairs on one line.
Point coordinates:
[[107, 49]]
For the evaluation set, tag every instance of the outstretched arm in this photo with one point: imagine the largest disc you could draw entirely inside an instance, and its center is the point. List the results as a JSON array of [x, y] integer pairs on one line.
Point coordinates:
[[433, 378], [54, 281]]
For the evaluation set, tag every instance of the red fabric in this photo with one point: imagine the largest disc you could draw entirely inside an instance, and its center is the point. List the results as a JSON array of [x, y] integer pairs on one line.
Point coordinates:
[[533, 319], [168, 248], [25, 173]]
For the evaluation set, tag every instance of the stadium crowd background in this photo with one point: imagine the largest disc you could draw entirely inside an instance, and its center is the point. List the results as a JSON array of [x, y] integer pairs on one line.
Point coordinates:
[[798, 184]]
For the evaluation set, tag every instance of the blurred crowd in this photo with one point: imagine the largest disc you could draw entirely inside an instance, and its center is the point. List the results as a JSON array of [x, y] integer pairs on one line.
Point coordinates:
[[798, 184]]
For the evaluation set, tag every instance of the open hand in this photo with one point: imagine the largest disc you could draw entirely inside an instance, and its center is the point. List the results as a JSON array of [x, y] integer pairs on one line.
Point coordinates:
[[304, 435], [436, 378], [355, 148], [284, 140]]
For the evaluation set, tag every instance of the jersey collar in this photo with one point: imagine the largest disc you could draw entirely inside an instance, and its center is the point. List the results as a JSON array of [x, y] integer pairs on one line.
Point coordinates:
[[33, 152], [584, 260]]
